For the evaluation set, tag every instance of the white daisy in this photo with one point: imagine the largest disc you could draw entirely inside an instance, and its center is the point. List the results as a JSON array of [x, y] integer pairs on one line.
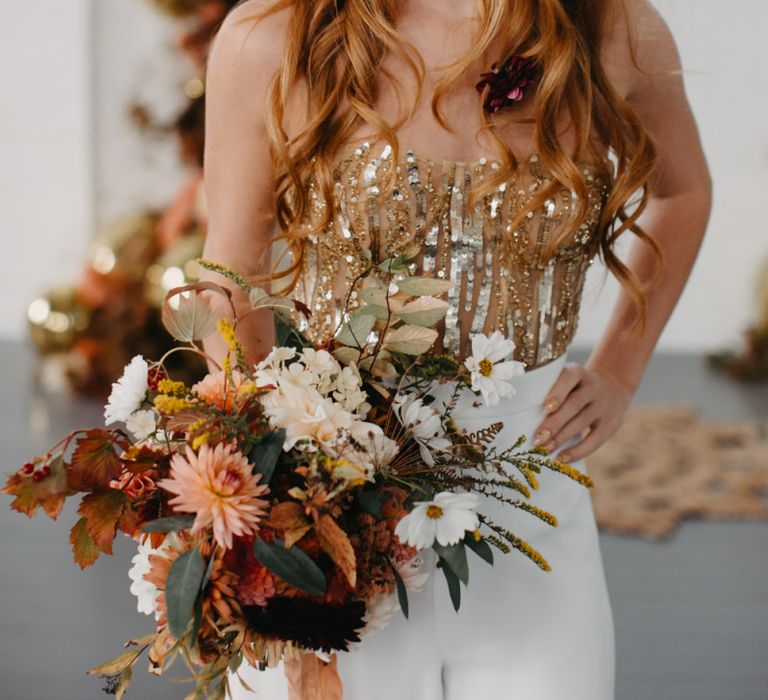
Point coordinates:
[[490, 376], [141, 424], [444, 519], [423, 422], [128, 392]]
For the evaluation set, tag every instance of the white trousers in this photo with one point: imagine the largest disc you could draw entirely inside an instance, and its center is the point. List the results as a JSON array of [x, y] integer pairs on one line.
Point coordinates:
[[521, 633]]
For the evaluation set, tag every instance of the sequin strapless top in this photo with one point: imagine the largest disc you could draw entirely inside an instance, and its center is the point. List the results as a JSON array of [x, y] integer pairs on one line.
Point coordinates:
[[500, 279]]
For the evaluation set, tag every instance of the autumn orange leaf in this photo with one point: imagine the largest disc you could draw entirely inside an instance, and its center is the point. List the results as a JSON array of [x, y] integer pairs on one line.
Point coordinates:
[[84, 549], [48, 494], [94, 461], [287, 515], [102, 509], [290, 518], [338, 547]]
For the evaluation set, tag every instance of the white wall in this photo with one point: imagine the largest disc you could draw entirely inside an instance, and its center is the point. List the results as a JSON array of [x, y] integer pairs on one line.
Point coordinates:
[[722, 45], [134, 59], [48, 200], [46, 193]]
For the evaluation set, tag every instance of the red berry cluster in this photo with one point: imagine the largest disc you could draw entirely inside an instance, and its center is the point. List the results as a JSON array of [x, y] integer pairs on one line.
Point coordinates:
[[155, 375], [37, 475]]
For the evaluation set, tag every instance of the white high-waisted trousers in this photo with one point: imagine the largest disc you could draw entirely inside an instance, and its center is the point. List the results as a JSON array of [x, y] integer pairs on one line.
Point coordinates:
[[521, 633]]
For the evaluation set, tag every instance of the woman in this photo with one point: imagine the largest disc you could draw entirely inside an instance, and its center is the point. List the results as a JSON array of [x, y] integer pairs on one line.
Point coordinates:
[[367, 137]]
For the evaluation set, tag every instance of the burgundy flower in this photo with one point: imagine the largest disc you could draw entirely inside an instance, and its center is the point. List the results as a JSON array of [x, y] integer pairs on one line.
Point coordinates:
[[507, 84]]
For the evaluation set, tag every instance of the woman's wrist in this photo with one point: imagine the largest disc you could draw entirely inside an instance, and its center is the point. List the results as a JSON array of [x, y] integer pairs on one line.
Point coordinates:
[[623, 371]]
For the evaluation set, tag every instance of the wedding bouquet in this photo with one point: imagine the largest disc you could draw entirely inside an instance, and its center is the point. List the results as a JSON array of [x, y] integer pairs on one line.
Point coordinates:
[[282, 508]]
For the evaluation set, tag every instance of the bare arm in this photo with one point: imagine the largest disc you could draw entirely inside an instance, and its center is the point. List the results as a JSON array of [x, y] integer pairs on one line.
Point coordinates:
[[678, 210], [591, 400], [238, 174]]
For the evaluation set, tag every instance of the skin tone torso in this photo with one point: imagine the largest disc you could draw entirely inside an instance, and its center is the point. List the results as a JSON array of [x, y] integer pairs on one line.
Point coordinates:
[[589, 399]]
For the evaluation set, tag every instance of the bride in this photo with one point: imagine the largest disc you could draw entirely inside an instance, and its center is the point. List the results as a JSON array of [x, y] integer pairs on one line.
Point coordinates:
[[514, 141]]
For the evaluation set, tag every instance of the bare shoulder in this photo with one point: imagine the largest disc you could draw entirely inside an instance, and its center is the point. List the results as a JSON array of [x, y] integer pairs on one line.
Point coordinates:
[[248, 47], [638, 47]]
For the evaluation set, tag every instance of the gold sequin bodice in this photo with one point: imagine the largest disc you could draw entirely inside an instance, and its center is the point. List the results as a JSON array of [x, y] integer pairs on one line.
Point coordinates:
[[500, 279]]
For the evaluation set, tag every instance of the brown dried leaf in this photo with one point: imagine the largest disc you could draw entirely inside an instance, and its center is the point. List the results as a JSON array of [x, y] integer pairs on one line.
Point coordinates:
[[94, 461], [293, 535], [102, 510], [84, 550], [117, 665], [193, 319], [338, 547], [287, 516]]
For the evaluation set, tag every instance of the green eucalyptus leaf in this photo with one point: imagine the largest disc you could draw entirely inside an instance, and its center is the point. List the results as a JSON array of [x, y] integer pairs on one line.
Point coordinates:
[[402, 592], [287, 335], [454, 587], [372, 502], [265, 455], [292, 565], [375, 294], [379, 312], [455, 556], [172, 523], [181, 589], [479, 547], [355, 333]]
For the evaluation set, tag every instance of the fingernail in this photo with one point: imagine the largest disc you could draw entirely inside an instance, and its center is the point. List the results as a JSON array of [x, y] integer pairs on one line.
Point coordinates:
[[550, 405], [541, 437], [564, 457], [550, 446]]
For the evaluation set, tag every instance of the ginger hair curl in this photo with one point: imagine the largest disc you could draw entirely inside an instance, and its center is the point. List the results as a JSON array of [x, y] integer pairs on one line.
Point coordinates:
[[337, 47]]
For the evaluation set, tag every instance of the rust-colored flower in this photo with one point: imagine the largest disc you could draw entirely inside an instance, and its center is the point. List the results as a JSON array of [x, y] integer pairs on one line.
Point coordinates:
[[217, 484], [135, 485], [507, 84], [256, 584], [219, 602]]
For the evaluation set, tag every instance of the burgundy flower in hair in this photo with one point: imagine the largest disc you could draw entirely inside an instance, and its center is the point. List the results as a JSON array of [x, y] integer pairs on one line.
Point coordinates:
[[507, 84]]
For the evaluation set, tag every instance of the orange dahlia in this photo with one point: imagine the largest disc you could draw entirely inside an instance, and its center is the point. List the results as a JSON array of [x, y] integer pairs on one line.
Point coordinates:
[[217, 484]]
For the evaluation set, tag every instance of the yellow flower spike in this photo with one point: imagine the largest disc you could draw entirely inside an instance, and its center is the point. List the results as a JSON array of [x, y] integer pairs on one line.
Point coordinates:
[[168, 386], [227, 365], [200, 440], [573, 473], [247, 389], [227, 331], [476, 534], [169, 405], [197, 425]]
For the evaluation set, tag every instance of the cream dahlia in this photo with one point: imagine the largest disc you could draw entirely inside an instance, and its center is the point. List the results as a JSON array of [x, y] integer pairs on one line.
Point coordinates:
[[217, 484]]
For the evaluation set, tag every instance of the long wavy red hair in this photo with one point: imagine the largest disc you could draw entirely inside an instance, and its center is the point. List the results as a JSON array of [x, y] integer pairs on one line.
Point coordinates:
[[337, 48]]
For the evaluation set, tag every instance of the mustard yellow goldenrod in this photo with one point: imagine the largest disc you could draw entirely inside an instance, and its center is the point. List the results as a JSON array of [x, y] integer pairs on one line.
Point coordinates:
[[172, 388], [169, 405]]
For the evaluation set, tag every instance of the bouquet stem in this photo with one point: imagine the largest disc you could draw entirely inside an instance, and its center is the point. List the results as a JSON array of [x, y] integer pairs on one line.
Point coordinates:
[[311, 678]]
